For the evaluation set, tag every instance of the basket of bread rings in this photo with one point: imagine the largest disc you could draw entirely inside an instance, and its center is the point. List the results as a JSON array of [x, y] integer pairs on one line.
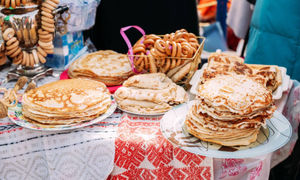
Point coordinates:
[[28, 28], [177, 54]]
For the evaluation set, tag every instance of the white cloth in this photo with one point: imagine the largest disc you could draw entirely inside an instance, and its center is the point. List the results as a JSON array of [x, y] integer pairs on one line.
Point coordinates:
[[85, 153], [239, 17]]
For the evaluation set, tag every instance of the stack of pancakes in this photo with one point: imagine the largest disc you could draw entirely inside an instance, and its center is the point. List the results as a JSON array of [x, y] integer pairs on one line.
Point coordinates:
[[66, 102], [149, 94], [230, 110], [107, 66], [220, 63]]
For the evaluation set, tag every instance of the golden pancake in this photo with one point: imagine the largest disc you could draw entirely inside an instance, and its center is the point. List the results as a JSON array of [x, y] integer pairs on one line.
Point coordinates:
[[109, 67], [66, 101], [149, 94]]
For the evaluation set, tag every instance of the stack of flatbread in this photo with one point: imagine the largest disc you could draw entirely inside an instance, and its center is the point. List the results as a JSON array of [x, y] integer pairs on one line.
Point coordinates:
[[149, 94], [107, 66], [221, 63], [66, 102], [230, 110]]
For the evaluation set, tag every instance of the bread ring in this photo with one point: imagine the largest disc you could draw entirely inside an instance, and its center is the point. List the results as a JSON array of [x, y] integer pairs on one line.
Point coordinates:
[[51, 3], [25, 58], [50, 47], [48, 20], [187, 50], [41, 32], [173, 63], [169, 37], [46, 39], [194, 45], [191, 35], [18, 59], [55, 1], [193, 40], [166, 37], [16, 53], [10, 52], [174, 49], [49, 25], [153, 68], [13, 4], [160, 45], [147, 65], [168, 48], [140, 68], [155, 53], [19, 35], [35, 57], [7, 3], [49, 51], [48, 6], [139, 59], [26, 37], [46, 10], [166, 67], [47, 14], [139, 49], [41, 51], [46, 36], [139, 45], [162, 62], [41, 58], [152, 36], [183, 35], [51, 30], [180, 40], [45, 45], [31, 60], [8, 34], [13, 45], [33, 37], [149, 42], [18, 2], [178, 54]]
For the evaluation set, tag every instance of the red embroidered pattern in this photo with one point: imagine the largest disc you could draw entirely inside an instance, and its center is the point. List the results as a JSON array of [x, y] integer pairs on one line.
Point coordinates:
[[143, 153]]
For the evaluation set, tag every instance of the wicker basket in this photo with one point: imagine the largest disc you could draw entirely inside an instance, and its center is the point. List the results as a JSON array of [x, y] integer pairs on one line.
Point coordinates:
[[184, 71]]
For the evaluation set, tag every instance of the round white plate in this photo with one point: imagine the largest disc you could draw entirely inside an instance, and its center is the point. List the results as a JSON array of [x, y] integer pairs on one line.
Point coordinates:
[[16, 116], [141, 114], [277, 134]]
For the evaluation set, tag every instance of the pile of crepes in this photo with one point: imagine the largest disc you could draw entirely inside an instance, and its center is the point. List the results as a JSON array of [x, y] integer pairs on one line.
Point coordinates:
[[66, 102], [106, 66], [230, 110], [149, 94], [221, 64], [169, 54]]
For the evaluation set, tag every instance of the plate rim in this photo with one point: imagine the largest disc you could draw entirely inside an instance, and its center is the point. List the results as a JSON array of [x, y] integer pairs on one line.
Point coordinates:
[[235, 154], [138, 114], [112, 108]]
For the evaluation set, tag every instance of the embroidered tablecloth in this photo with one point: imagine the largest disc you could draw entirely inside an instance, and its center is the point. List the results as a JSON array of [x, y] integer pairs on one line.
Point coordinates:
[[125, 147]]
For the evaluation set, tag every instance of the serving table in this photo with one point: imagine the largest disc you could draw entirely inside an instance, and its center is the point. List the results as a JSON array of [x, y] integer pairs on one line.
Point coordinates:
[[126, 146]]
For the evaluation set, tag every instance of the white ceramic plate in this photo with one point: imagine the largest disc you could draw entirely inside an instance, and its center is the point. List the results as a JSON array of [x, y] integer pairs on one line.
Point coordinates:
[[277, 134], [16, 116], [141, 114]]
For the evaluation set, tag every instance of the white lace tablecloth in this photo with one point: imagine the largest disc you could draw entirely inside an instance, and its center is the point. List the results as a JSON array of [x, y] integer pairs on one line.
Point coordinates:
[[125, 147]]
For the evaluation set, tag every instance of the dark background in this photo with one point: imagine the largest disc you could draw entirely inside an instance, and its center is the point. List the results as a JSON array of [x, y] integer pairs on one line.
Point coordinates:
[[154, 16]]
